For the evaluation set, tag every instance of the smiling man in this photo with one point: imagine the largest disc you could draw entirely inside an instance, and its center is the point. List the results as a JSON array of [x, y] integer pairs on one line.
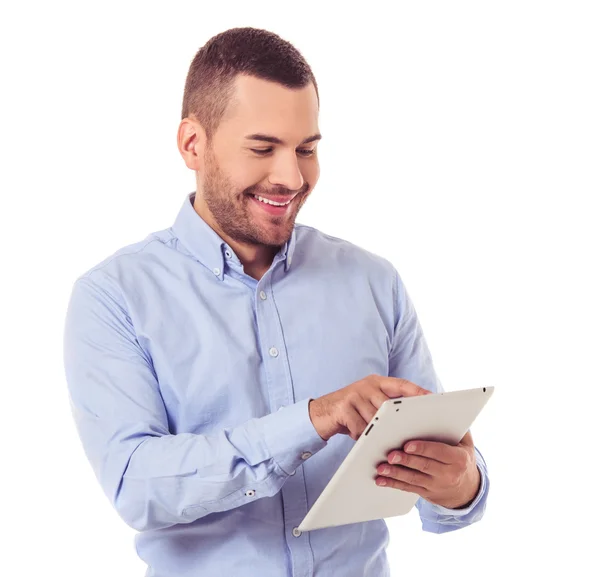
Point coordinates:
[[221, 369]]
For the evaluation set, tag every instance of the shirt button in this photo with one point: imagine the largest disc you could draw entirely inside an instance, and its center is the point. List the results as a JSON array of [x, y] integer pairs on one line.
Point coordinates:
[[306, 455], [227, 254], [296, 532], [263, 295], [293, 472], [273, 352], [290, 261], [217, 271], [250, 493]]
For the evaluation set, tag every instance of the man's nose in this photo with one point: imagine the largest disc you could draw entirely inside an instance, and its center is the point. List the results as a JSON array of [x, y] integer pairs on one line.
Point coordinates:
[[286, 172]]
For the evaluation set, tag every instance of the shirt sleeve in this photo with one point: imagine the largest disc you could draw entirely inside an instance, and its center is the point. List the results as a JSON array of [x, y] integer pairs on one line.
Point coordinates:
[[153, 478], [410, 359]]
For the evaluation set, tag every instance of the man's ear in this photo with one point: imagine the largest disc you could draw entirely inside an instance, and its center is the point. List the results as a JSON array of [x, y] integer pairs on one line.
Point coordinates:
[[191, 141]]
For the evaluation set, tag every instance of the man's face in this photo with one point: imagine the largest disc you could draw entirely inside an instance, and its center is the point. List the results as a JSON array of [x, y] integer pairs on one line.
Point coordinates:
[[237, 168]]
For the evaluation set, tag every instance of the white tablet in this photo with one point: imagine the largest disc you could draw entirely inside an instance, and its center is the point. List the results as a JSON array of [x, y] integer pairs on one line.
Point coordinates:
[[351, 496]]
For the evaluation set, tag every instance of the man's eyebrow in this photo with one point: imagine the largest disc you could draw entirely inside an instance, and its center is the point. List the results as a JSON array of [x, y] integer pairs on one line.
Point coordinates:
[[275, 140]]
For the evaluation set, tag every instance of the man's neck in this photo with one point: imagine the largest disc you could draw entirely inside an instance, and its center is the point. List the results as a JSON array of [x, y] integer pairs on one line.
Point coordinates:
[[256, 259]]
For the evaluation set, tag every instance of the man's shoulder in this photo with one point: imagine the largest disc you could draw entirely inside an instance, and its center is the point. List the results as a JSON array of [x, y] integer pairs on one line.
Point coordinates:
[[321, 245], [126, 258]]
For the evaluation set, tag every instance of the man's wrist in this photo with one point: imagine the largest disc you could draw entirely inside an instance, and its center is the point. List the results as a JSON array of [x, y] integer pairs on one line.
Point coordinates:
[[470, 501], [313, 415]]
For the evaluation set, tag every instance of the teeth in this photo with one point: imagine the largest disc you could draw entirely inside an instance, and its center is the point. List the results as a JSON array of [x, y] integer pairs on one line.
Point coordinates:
[[267, 201]]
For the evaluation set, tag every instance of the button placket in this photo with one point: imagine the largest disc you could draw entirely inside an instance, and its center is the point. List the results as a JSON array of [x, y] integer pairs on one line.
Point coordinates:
[[279, 385], [267, 320]]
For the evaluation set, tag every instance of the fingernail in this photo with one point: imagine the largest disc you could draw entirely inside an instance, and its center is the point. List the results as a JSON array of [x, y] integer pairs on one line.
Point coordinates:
[[396, 459]]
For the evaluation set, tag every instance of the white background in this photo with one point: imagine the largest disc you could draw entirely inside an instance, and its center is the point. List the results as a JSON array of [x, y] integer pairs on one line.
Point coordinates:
[[461, 141]]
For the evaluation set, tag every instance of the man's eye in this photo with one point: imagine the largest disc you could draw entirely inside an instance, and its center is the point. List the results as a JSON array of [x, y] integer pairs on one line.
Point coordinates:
[[263, 151]]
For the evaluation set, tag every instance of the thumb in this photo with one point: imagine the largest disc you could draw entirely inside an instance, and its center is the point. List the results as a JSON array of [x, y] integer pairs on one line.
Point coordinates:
[[467, 440]]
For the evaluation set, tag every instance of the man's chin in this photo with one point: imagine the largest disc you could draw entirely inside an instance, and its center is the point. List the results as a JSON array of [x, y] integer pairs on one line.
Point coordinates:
[[276, 235]]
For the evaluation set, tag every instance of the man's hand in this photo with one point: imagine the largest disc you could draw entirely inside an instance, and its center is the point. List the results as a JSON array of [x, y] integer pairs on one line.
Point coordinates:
[[347, 411], [443, 474]]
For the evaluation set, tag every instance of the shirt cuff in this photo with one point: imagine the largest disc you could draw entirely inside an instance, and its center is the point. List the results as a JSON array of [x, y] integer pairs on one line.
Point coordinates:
[[466, 510], [290, 436]]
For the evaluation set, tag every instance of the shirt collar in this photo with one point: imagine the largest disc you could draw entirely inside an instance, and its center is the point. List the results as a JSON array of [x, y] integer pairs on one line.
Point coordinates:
[[208, 247]]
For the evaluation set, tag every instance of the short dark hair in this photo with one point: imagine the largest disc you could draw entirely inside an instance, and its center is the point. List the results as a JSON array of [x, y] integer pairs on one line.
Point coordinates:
[[209, 85]]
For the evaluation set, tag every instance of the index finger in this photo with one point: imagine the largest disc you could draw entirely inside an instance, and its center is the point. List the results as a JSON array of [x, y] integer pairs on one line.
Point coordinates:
[[395, 387]]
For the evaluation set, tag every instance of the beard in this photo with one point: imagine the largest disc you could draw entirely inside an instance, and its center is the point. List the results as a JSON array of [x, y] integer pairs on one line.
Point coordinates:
[[234, 215]]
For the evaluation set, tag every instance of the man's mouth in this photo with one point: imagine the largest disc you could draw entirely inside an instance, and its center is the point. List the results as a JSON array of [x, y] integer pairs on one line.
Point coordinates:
[[276, 206], [280, 201]]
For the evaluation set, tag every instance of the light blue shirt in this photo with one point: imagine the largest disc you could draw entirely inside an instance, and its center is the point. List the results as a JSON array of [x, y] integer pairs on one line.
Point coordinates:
[[190, 382]]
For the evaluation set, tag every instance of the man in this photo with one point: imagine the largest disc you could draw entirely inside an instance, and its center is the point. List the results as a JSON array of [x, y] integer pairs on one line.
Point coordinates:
[[221, 369]]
